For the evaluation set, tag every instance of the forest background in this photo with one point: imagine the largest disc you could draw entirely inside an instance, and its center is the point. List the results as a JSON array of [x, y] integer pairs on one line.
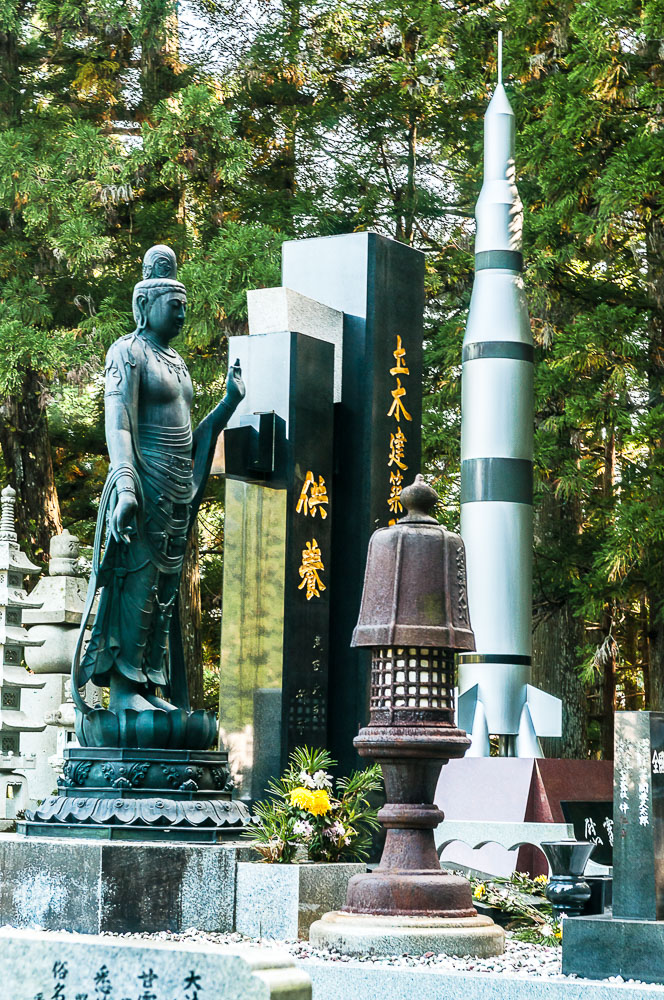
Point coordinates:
[[223, 128]]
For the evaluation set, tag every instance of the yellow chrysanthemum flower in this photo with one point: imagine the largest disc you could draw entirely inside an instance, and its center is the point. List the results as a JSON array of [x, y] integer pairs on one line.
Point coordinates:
[[302, 798], [540, 880], [480, 891], [320, 804]]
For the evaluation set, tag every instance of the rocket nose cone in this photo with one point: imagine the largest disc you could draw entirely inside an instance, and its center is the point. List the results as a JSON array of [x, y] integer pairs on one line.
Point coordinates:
[[499, 104]]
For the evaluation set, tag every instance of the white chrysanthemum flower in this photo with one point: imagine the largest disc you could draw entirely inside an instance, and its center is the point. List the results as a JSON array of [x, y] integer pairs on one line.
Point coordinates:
[[322, 779], [306, 780]]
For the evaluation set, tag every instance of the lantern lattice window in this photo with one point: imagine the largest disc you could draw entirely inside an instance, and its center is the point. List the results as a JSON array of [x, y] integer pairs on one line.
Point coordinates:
[[412, 677]]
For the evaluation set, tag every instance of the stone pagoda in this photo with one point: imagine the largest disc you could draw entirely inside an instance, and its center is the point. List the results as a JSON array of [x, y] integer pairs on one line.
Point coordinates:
[[53, 626], [15, 681]]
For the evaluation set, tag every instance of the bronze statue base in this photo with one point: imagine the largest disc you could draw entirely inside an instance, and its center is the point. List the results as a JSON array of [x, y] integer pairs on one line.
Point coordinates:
[[141, 794]]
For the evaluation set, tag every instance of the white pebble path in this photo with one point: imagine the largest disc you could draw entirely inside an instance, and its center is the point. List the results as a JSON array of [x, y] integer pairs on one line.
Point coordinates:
[[520, 958]]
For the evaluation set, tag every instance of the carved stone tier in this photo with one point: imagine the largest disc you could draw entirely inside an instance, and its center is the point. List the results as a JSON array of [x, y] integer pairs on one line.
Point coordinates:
[[141, 794]]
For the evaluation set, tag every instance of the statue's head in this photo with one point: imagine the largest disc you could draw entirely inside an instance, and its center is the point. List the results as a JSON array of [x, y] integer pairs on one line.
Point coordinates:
[[159, 300]]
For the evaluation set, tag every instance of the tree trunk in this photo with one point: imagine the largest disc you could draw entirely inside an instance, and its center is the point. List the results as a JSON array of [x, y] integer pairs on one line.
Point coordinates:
[[159, 60], [609, 649], [608, 662], [555, 662], [26, 449], [190, 620], [655, 254], [558, 633]]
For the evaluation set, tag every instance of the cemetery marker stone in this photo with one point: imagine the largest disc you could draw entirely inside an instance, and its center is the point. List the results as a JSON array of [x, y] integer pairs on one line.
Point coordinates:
[[378, 284], [638, 850], [630, 942]]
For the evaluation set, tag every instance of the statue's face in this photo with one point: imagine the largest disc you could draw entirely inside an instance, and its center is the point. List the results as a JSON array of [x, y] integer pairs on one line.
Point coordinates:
[[166, 315]]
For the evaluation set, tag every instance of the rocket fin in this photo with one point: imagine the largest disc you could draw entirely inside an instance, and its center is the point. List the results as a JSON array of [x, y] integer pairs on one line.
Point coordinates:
[[472, 718], [527, 744], [546, 712], [466, 703]]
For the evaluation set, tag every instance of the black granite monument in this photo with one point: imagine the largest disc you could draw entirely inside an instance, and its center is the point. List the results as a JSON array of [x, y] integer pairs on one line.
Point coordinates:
[[631, 942], [279, 510], [378, 284], [296, 533]]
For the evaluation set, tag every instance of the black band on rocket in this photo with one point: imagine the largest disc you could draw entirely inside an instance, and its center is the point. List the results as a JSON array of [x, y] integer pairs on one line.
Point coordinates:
[[500, 479], [512, 349], [525, 661], [511, 260]]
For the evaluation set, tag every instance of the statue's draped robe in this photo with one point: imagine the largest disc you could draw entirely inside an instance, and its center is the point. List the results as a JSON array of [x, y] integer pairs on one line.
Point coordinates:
[[139, 581]]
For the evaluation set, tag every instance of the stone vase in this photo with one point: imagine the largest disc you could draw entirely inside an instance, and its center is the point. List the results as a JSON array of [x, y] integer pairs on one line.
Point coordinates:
[[282, 901], [567, 891]]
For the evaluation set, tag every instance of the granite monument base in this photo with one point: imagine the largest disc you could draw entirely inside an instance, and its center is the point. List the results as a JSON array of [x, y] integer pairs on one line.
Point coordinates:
[[368, 934], [89, 886], [283, 901], [601, 946], [36, 964]]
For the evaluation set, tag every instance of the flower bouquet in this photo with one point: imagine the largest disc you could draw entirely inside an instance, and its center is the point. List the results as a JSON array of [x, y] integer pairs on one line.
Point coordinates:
[[308, 818]]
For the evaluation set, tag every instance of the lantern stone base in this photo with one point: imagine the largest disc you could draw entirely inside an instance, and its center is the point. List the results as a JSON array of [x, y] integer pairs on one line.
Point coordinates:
[[366, 934]]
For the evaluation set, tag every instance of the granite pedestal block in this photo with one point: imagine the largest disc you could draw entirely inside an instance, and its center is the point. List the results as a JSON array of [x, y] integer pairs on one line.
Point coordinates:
[[599, 947], [36, 964], [362, 934], [283, 901], [90, 886]]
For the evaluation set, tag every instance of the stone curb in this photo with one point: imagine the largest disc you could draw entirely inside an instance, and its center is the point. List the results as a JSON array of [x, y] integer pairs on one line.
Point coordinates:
[[352, 980]]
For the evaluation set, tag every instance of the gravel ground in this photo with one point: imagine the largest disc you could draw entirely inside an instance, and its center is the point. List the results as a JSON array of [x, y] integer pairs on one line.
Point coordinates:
[[519, 959]]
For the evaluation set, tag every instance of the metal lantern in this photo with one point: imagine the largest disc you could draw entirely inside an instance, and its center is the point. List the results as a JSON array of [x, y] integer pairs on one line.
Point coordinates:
[[414, 615]]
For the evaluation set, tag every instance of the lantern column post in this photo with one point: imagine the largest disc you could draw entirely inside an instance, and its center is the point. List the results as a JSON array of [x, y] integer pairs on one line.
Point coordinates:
[[414, 617]]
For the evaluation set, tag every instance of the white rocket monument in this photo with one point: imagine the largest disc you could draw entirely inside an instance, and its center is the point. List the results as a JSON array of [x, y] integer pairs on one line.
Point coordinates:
[[495, 694]]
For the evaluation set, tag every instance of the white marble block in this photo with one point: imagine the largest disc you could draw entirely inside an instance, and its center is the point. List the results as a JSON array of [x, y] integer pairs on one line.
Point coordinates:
[[275, 310]]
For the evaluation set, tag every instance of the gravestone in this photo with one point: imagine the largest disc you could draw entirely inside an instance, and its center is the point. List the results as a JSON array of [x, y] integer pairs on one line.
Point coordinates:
[[631, 942], [378, 285], [638, 802], [42, 966], [547, 796], [592, 821], [360, 298], [279, 508]]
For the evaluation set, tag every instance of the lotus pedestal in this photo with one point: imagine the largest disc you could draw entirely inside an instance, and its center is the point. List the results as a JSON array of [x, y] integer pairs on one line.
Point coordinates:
[[141, 794]]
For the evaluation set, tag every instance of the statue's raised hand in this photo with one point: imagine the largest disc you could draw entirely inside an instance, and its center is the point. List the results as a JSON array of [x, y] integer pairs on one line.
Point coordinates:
[[123, 517], [235, 387]]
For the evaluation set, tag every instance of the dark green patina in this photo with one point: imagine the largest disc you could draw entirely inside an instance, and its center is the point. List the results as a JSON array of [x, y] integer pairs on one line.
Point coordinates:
[[144, 765], [154, 487]]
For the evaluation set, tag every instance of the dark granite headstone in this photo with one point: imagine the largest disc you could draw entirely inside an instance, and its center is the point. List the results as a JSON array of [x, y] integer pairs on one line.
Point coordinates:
[[378, 284], [638, 802], [277, 555], [631, 942], [592, 821]]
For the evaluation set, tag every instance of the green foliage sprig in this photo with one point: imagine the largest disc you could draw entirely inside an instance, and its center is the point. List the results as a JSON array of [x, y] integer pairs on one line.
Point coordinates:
[[304, 816], [516, 896]]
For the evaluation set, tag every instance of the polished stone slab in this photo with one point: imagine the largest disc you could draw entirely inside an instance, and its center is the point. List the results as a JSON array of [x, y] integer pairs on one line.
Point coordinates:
[[90, 886], [378, 284], [38, 966], [598, 947], [638, 816], [283, 901]]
